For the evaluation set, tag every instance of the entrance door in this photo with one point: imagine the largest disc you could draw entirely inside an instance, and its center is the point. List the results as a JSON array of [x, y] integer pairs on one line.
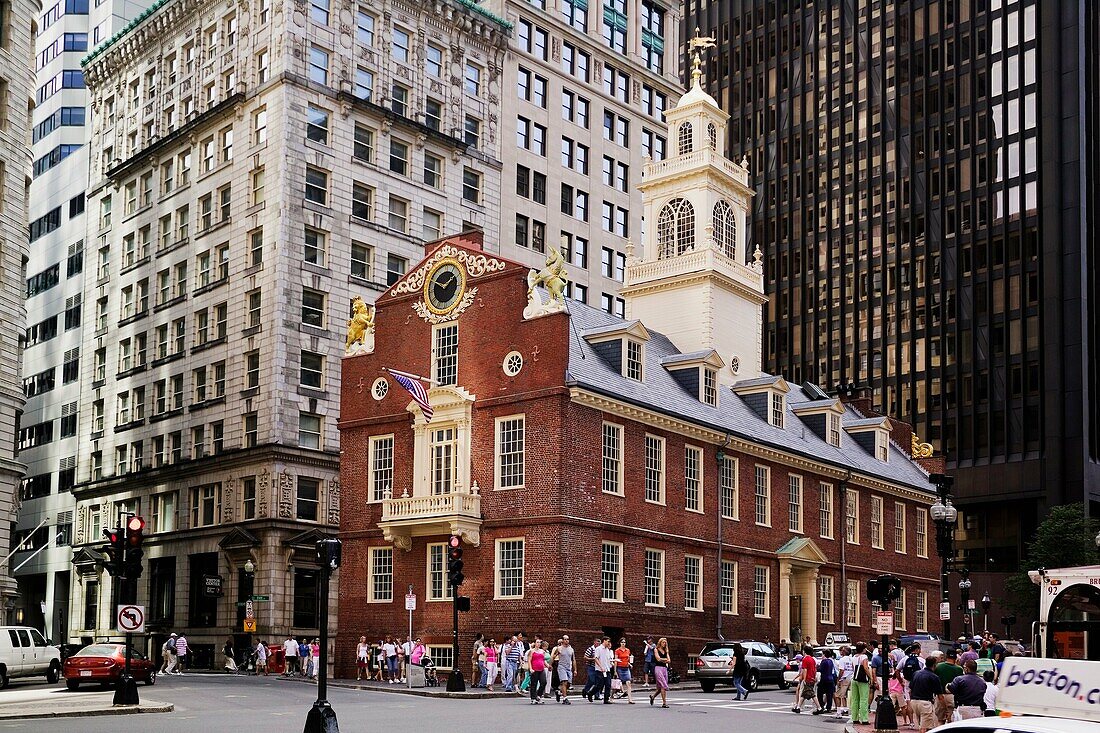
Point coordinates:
[[795, 632]]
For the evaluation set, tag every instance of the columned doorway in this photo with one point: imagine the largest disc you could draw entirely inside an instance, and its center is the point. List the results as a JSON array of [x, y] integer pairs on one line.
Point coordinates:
[[799, 562]]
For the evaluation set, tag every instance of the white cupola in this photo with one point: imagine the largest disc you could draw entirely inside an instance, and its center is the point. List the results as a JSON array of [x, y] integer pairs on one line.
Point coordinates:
[[694, 281]]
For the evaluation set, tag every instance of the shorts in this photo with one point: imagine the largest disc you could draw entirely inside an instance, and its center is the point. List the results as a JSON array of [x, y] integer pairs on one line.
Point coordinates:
[[565, 674], [361, 663], [898, 699], [623, 673], [842, 688], [924, 714], [649, 668]]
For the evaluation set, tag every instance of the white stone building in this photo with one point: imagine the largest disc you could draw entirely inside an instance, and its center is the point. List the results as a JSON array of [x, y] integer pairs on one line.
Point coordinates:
[[254, 166], [586, 84], [18, 25]]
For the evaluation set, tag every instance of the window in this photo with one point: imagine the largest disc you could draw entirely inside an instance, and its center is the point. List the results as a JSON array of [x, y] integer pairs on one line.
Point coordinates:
[[471, 185], [363, 144], [654, 469], [710, 386], [899, 611], [825, 599], [312, 370], [362, 201], [400, 47], [876, 522], [761, 584], [206, 505], [444, 460], [254, 302], [576, 13], [473, 79], [612, 458], [364, 27], [432, 226], [510, 452], [882, 445], [922, 611], [727, 484], [472, 131], [611, 572], [257, 186], [313, 308], [445, 354], [575, 62], [532, 39], [314, 251], [251, 429], [684, 138], [307, 499], [922, 532], [316, 185], [433, 60], [675, 228], [826, 510], [163, 517], [654, 585], [851, 603], [380, 468], [693, 478], [395, 268], [438, 588], [616, 128], [306, 593], [794, 504], [616, 84], [777, 402], [633, 360], [433, 170], [317, 125], [381, 574], [399, 100], [318, 11], [362, 257], [762, 496], [399, 157], [899, 527], [318, 65], [834, 430], [364, 83], [728, 587], [509, 568], [851, 517], [309, 430], [614, 24], [693, 573]]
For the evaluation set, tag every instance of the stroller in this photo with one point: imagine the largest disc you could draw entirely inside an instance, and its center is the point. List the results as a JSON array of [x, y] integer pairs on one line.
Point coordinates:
[[430, 679]]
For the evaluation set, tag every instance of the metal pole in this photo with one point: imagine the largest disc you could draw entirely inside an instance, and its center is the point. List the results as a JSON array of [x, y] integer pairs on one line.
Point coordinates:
[[408, 657], [944, 575], [321, 717]]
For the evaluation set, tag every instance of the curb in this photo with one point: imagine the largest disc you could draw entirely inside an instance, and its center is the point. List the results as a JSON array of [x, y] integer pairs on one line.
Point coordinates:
[[87, 713]]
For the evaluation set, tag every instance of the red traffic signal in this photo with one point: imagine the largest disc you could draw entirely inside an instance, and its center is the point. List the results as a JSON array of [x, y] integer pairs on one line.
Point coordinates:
[[455, 541], [134, 529]]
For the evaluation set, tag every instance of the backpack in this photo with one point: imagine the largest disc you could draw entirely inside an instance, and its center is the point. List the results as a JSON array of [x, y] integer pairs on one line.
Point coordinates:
[[910, 668]]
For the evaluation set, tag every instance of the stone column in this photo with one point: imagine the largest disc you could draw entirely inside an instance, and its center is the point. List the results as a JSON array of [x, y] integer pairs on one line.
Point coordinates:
[[784, 599]]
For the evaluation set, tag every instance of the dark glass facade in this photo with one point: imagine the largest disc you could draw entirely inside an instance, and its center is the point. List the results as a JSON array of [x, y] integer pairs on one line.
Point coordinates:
[[926, 178]]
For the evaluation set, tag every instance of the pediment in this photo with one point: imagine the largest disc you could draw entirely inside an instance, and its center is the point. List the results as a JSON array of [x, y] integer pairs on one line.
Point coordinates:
[[309, 539], [802, 550], [238, 537]]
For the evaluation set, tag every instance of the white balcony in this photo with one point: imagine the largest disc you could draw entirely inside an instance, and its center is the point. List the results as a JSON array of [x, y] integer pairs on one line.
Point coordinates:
[[405, 517]]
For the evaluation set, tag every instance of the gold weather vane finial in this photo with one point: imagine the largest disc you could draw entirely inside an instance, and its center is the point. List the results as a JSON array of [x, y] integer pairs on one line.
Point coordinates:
[[696, 45]]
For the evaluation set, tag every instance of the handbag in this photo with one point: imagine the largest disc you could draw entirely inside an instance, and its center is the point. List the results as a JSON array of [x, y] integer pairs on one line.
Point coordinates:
[[808, 692]]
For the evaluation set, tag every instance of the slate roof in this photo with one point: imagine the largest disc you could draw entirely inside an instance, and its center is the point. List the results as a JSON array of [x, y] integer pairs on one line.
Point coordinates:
[[687, 358], [661, 393], [614, 327]]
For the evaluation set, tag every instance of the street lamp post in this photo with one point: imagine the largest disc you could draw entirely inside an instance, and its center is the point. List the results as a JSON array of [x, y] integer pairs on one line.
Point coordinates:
[[249, 590], [986, 602], [964, 589], [944, 515]]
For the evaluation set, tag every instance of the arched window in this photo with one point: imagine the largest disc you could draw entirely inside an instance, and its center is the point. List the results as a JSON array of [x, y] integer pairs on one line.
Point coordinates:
[[712, 136], [685, 138], [675, 228], [725, 229]]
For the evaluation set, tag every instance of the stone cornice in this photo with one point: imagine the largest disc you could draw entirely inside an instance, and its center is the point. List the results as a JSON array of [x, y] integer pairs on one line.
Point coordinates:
[[743, 444]]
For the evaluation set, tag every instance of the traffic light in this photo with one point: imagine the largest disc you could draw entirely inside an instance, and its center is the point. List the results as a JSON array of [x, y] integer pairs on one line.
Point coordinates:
[[328, 552], [135, 529], [884, 589], [115, 551], [463, 603], [454, 562]]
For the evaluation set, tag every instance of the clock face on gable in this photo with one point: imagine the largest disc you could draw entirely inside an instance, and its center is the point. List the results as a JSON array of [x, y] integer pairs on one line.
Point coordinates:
[[444, 287]]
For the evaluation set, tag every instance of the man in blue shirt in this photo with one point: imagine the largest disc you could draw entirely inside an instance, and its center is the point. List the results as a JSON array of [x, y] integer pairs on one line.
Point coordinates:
[[924, 690]]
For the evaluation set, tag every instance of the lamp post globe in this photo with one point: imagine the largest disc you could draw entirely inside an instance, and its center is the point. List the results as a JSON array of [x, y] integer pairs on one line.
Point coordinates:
[[951, 513], [938, 511]]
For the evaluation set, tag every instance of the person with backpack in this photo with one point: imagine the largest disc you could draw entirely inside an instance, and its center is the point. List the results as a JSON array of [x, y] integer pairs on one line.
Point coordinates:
[[826, 683], [169, 653], [859, 694]]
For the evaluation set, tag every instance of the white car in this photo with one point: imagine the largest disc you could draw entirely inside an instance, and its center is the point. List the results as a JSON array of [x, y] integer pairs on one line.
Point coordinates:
[[25, 653], [1020, 724]]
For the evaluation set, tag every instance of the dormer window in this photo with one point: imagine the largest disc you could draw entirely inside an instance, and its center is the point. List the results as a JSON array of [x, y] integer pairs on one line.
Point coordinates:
[[777, 409], [710, 386], [882, 446], [685, 138], [834, 430], [632, 361]]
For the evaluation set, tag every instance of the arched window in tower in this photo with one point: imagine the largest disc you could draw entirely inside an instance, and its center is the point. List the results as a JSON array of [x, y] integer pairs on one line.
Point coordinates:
[[725, 228], [675, 228], [685, 138], [712, 136]]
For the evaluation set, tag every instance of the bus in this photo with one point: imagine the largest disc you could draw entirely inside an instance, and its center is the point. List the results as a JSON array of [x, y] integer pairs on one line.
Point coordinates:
[[1069, 613]]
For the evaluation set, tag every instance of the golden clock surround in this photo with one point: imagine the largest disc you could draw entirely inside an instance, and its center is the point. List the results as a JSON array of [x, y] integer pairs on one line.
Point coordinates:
[[429, 280]]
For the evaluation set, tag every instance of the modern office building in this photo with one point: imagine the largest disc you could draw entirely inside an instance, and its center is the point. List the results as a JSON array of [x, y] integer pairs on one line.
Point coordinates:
[[251, 173], [18, 25], [927, 190], [67, 29], [586, 85]]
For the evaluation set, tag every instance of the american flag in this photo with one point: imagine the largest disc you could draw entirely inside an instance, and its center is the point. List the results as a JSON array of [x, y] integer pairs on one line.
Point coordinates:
[[412, 385]]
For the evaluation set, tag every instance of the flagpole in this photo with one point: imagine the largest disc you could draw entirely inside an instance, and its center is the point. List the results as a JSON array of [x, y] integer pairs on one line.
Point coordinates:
[[410, 374]]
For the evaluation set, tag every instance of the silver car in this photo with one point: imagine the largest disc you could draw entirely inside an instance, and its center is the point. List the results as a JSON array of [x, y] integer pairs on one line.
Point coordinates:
[[765, 665]]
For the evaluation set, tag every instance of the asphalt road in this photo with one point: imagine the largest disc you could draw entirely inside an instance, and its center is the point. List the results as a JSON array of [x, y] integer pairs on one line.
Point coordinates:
[[213, 703]]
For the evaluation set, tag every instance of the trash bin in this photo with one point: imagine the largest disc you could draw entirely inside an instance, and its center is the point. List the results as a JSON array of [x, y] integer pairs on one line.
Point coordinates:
[[276, 659], [416, 675]]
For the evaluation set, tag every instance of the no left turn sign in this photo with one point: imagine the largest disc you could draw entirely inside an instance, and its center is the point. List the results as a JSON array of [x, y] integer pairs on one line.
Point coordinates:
[[130, 619]]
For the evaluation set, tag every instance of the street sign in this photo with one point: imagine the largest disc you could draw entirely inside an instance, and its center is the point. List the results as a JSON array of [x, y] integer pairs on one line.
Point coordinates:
[[249, 612], [945, 611], [410, 602], [130, 619], [884, 623], [212, 586], [261, 599], [970, 604], [250, 625]]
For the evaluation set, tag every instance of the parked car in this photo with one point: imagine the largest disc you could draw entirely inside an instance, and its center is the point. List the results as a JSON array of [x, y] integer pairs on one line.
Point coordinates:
[[713, 665], [24, 652], [103, 664]]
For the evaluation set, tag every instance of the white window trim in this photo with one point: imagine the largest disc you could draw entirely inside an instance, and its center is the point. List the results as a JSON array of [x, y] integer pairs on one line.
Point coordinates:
[[496, 569], [641, 357], [699, 582], [851, 594], [736, 605], [801, 503], [899, 618], [821, 618], [922, 547], [699, 479], [434, 657], [736, 498], [370, 464], [621, 430], [878, 542], [663, 469], [661, 579], [619, 578], [853, 497], [822, 488], [900, 511], [370, 574], [768, 504], [497, 454], [767, 592], [921, 627], [428, 573]]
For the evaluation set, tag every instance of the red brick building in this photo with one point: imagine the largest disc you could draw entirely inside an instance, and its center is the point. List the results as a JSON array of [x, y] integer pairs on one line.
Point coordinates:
[[591, 463]]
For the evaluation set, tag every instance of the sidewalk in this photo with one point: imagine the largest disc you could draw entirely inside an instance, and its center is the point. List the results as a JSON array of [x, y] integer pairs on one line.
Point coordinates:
[[441, 691], [61, 703]]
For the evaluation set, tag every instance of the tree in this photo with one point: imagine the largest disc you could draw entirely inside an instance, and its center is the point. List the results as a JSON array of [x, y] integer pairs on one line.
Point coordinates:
[[1065, 539]]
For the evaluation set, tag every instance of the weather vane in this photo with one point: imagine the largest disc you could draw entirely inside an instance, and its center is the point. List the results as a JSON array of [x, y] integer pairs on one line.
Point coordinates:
[[696, 45]]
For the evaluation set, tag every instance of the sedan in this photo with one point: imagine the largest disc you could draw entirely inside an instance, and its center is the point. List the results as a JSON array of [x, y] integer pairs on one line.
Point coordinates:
[[103, 664], [713, 665]]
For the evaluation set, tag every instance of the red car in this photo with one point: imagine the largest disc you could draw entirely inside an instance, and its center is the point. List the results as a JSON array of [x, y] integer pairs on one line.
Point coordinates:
[[103, 664]]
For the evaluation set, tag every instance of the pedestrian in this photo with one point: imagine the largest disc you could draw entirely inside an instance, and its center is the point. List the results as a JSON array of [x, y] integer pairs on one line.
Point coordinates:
[[390, 650], [605, 669], [418, 652], [290, 654], [510, 653], [379, 661], [845, 670], [970, 654], [897, 696], [566, 667], [182, 650], [169, 653], [969, 691], [362, 654], [924, 690], [807, 677], [405, 658], [315, 657], [860, 690], [304, 657], [661, 659], [477, 660], [647, 661], [228, 653], [740, 669], [590, 669], [623, 661], [990, 695], [261, 657], [491, 651], [536, 663], [826, 682], [947, 671]]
